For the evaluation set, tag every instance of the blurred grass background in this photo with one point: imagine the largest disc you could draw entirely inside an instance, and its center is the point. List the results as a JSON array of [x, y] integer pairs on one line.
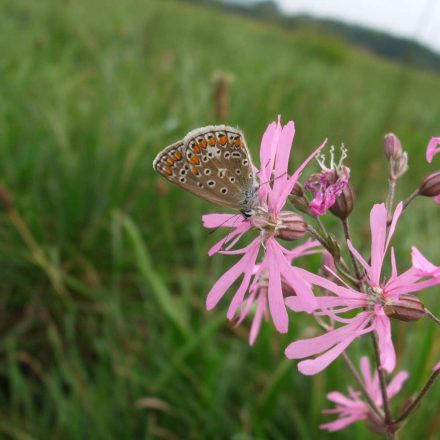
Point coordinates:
[[103, 278]]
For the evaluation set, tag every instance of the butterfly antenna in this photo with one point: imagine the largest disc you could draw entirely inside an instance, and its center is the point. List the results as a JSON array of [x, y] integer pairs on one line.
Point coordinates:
[[275, 178]]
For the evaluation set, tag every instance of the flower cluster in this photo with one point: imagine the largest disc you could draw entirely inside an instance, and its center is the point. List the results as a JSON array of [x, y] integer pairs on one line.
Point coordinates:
[[347, 302]]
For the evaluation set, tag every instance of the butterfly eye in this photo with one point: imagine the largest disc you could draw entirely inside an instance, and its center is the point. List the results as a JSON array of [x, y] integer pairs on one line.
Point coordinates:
[[207, 172], [224, 190], [238, 171], [211, 183], [232, 179]]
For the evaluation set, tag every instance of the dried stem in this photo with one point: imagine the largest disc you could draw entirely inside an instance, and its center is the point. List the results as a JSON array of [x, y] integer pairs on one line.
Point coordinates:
[[346, 227], [420, 396]]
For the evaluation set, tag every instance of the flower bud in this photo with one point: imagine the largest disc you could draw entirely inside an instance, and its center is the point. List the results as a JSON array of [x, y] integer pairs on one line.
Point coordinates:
[[399, 166], [430, 186], [298, 199], [392, 146], [292, 226], [344, 202], [406, 308], [298, 190]]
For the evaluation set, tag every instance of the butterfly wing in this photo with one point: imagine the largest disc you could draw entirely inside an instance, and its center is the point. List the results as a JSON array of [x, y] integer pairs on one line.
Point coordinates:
[[213, 163]]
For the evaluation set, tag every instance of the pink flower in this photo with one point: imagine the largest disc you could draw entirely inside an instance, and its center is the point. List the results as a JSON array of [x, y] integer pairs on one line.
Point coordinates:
[[329, 184], [258, 289], [352, 408], [275, 186], [374, 301], [431, 151]]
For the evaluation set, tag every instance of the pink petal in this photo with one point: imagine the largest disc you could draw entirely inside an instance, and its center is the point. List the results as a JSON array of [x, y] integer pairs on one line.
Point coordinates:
[[256, 323], [378, 225], [422, 264], [268, 150], [244, 265], [275, 293], [308, 248], [393, 264], [431, 151], [237, 299], [386, 347], [436, 367], [366, 373], [315, 366], [226, 220], [343, 422], [396, 384], [282, 196], [396, 215], [337, 397], [359, 257], [329, 285], [282, 162], [318, 344], [437, 199], [237, 233]]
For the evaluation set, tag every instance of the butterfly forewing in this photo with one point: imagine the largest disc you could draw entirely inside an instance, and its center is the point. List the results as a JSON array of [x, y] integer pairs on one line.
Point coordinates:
[[215, 165]]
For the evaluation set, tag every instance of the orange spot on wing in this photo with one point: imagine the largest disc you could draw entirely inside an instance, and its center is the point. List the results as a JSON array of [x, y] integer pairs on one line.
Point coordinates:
[[212, 141], [170, 162], [202, 143], [223, 139], [196, 149], [195, 171], [178, 155], [167, 171], [195, 160]]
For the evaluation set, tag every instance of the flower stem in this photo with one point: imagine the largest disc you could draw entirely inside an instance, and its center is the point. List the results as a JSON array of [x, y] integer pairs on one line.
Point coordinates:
[[420, 396], [390, 196], [364, 391], [410, 198], [348, 237], [430, 315], [383, 385]]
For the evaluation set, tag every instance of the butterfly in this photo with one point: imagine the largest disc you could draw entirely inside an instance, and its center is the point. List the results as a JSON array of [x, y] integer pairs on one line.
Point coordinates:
[[213, 163]]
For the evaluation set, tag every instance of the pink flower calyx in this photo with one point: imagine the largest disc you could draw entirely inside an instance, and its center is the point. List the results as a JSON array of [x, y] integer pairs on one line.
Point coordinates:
[[286, 225]]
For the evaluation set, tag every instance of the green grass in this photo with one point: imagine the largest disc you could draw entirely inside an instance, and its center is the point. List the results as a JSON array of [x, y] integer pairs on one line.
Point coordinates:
[[104, 312]]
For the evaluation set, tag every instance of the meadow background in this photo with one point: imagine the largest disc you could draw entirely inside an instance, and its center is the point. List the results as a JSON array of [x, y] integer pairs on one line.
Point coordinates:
[[103, 265]]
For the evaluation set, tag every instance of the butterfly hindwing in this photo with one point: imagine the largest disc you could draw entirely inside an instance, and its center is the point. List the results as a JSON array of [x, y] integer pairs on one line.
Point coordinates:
[[213, 163]]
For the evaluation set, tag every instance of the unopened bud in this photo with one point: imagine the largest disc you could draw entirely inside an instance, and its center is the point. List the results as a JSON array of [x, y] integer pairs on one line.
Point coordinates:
[[5, 199], [344, 202], [292, 226], [430, 186], [399, 166], [298, 190], [406, 308], [392, 146]]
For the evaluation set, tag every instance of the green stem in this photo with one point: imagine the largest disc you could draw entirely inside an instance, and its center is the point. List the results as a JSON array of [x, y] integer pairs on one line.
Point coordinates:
[[346, 227], [419, 397]]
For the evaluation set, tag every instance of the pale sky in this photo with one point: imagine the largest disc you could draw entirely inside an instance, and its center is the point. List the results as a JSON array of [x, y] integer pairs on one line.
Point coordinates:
[[415, 19]]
